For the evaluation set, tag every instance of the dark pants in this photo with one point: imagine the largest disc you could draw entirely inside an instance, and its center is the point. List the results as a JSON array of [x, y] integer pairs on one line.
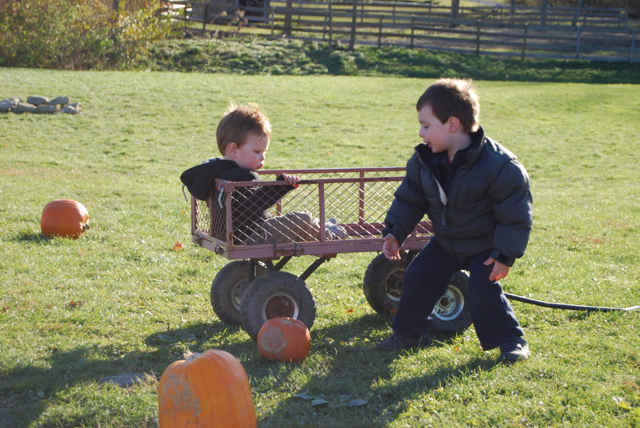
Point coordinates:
[[427, 279]]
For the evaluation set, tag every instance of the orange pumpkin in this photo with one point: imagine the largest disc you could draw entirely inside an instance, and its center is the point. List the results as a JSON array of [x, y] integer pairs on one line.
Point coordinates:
[[206, 390], [284, 339], [64, 217]]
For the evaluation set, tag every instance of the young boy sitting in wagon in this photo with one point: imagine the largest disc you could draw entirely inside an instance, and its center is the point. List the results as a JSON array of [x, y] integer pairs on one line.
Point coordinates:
[[243, 137], [476, 194]]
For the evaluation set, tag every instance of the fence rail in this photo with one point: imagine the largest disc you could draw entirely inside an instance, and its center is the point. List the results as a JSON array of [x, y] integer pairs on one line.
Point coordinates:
[[610, 37]]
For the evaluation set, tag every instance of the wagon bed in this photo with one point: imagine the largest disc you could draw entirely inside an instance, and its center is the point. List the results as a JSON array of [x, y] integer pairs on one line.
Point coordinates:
[[358, 198]]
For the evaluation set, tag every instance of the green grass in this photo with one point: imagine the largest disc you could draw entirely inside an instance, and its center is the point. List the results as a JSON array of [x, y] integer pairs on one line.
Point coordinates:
[[144, 304], [257, 56]]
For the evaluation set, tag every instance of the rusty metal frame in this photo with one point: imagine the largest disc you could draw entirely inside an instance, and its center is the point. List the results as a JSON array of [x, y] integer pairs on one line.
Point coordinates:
[[322, 248]]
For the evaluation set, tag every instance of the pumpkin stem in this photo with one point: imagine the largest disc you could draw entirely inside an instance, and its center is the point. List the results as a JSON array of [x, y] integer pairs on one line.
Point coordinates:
[[85, 226]]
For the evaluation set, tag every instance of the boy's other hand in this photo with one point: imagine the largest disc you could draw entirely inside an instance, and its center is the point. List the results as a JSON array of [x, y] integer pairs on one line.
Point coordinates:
[[291, 179], [390, 247], [499, 271]]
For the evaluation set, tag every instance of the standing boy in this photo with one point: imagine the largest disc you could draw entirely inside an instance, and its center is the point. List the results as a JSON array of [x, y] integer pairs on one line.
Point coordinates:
[[476, 194]]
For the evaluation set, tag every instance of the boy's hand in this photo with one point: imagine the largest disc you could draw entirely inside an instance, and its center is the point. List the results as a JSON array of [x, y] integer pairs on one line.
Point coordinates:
[[390, 247], [291, 179], [499, 271]]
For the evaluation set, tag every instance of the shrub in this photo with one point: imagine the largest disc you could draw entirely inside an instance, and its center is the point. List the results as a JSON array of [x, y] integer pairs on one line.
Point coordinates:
[[78, 35]]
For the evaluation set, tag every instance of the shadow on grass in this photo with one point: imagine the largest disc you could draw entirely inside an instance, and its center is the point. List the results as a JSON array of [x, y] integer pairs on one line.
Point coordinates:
[[29, 388], [355, 384]]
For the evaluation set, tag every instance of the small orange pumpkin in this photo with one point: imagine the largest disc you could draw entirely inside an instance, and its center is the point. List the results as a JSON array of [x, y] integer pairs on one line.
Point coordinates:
[[64, 217], [284, 339], [206, 390]]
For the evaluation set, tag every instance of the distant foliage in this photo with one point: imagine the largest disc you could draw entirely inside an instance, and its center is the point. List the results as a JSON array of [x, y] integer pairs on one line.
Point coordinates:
[[77, 35]]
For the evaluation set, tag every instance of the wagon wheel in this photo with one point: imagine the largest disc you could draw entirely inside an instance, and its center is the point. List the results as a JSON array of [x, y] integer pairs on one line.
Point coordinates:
[[383, 287], [451, 313], [227, 289], [276, 294], [382, 284]]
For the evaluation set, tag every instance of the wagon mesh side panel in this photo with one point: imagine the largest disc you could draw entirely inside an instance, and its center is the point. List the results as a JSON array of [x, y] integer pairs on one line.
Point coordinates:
[[352, 209]]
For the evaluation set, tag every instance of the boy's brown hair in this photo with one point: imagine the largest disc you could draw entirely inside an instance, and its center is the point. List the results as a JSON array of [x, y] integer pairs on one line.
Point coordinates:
[[238, 123], [453, 97]]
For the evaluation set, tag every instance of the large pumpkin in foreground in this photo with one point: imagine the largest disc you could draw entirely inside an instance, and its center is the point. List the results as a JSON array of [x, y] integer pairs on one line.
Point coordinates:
[[64, 217], [284, 339], [206, 390]]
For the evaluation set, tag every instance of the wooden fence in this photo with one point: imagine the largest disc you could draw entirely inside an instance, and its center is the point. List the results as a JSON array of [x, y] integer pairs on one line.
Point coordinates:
[[603, 35]]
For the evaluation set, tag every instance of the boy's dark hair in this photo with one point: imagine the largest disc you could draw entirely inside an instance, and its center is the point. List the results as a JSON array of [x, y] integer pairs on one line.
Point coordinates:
[[240, 122], [453, 97]]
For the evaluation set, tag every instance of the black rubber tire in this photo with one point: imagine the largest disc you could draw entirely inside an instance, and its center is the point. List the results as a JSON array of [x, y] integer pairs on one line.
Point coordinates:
[[382, 283], [382, 287], [227, 289], [276, 294], [451, 313]]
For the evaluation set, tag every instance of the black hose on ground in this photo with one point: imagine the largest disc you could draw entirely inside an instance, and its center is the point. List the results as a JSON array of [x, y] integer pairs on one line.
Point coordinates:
[[565, 306]]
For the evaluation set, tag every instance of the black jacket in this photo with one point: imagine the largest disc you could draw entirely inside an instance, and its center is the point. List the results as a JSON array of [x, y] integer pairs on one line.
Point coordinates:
[[249, 204], [486, 202]]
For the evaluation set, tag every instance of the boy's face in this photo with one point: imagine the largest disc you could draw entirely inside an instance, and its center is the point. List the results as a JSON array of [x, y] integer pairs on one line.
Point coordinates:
[[434, 133], [252, 153]]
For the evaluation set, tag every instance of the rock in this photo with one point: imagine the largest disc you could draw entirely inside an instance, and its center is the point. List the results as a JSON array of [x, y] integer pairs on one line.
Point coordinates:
[[15, 100], [6, 106], [70, 110], [124, 379], [36, 100], [44, 108], [25, 108], [76, 105], [59, 101]]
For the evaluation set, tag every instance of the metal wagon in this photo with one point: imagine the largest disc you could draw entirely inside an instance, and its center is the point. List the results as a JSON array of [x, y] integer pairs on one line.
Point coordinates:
[[343, 211]]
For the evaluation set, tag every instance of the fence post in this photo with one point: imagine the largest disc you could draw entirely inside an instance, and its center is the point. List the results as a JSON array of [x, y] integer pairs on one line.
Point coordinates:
[[273, 19], [578, 41], [354, 22], [633, 45], [394, 13], [362, 12], [524, 41], [204, 19], [429, 16], [330, 26], [478, 37], [413, 28], [512, 11], [576, 16], [626, 18], [380, 30], [543, 12], [287, 18], [324, 27]]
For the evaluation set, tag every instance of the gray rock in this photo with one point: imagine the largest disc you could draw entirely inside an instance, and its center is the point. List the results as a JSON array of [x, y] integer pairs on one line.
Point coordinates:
[[6, 106], [37, 100], [44, 108], [70, 110], [25, 108], [15, 100], [76, 105], [59, 101]]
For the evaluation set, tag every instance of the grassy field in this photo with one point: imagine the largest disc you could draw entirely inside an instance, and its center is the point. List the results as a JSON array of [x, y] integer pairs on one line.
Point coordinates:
[[121, 299]]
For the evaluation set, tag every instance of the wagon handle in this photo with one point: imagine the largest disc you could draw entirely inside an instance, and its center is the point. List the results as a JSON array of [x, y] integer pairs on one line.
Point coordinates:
[[220, 204], [185, 193]]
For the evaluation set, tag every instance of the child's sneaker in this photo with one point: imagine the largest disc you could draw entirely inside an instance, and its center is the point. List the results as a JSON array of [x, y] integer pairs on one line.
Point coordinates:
[[334, 230], [511, 352]]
